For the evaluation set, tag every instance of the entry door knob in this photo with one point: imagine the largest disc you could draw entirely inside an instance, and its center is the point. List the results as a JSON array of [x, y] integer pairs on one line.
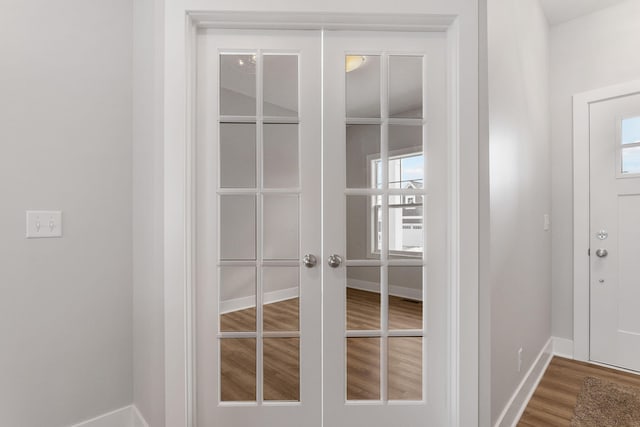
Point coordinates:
[[334, 261], [602, 253]]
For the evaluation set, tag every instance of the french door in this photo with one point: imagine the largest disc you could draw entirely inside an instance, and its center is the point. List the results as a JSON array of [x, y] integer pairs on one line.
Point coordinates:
[[321, 229]]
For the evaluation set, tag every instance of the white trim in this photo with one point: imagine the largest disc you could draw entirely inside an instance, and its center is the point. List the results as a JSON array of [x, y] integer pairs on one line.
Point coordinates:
[[581, 103], [518, 403], [243, 303], [396, 291], [562, 347], [129, 416]]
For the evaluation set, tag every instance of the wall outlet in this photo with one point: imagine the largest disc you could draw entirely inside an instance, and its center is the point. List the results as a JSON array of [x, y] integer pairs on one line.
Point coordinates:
[[520, 359], [41, 224]]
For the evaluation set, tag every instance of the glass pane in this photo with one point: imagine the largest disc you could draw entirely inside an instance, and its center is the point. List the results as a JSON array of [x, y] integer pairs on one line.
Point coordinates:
[[363, 86], [405, 311], [405, 86], [281, 369], [238, 85], [631, 160], [280, 215], [405, 225], [363, 156], [237, 369], [363, 298], [631, 130], [363, 368], [405, 368], [237, 155], [237, 227], [280, 156], [281, 286], [364, 224], [237, 299], [280, 85], [406, 161]]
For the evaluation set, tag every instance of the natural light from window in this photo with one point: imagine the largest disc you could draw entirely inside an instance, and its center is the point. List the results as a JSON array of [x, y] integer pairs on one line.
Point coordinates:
[[405, 212]]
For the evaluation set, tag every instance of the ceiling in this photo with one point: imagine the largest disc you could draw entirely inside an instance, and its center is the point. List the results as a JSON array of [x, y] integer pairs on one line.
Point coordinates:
[[559, 11]]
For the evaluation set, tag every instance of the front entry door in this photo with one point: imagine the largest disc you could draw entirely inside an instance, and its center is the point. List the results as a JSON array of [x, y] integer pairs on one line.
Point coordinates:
[[615, 231], [321, 229]]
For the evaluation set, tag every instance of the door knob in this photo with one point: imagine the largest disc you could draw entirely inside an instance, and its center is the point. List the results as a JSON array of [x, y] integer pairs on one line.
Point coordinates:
[[309, 260], [334, 261], [602, 253]]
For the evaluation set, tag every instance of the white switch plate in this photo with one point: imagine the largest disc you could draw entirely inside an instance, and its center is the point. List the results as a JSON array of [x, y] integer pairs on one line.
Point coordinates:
[[44, 224]]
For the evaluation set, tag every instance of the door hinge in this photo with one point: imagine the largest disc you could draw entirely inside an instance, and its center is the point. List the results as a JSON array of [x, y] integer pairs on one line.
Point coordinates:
[[589, 252]]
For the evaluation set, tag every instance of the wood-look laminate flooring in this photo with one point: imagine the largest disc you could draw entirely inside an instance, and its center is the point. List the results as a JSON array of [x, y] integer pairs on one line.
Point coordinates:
[[553, 401], [281, 355]]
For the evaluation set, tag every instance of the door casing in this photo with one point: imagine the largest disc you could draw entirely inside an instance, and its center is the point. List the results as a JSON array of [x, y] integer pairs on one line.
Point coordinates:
[[179, 191], [581, 191]]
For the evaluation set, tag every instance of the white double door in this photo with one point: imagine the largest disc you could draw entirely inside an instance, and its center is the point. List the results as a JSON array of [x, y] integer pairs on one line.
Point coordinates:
[[615, 231], [322, 285]]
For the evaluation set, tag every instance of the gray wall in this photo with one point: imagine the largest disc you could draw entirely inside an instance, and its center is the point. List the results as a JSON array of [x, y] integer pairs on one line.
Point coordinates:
[[587, 53], [65, 143], [148, 289], [520, 261]]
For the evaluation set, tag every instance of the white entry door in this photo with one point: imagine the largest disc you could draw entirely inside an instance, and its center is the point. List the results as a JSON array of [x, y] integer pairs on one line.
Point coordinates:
[[615, 231], [321, 229]]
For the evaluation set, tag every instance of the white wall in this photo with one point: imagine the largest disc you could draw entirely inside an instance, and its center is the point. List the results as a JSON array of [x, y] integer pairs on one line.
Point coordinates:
[[520, 272], [65, 143], [587, 53], [148, 289]]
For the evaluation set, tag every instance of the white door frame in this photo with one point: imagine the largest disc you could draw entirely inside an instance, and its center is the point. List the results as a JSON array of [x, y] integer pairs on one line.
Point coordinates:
[[581, 209], [179, 187]]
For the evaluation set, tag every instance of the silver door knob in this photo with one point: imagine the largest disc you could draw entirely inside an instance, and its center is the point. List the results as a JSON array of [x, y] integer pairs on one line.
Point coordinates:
[[602, 253], [334, 261], [309, 260]]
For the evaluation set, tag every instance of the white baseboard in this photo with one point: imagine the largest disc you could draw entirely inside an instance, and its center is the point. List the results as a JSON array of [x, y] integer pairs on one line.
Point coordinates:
[[138, 419], [249, 302], [563, 347], [518, 402], [129, 416], [397, 291]]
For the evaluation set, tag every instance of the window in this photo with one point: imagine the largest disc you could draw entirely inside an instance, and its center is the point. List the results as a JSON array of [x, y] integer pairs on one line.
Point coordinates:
[[405, 211], [630, 150]]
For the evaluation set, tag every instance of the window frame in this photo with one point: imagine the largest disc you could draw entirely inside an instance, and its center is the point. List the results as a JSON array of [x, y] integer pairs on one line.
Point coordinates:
[[620, 147], [373, 252]]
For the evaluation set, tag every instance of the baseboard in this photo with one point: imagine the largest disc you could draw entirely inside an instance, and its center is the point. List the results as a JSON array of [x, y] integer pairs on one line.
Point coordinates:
[[129, 416], [249, 302], [138, 419], [397, 291], [562, 347], [518, 402]]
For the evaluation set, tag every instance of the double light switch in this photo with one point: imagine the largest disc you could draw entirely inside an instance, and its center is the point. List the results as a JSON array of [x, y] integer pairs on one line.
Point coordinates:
[[44, 224]]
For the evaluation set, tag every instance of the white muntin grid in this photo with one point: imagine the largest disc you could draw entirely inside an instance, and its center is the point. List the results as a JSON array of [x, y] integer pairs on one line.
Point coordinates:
[[384, 262], [259, 192]]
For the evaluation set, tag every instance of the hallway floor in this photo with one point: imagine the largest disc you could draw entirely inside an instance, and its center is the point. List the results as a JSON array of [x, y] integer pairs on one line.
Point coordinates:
[[553, 402]]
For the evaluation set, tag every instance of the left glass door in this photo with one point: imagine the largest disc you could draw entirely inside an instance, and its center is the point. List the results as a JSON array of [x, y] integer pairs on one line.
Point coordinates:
[[258, 344]]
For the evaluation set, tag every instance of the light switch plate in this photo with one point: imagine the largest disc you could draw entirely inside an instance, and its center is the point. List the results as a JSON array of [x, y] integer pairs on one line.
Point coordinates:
[[41, 224]]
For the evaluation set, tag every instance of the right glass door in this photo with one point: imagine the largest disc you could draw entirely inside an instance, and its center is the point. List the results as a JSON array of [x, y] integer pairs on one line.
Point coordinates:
[[385, 297]]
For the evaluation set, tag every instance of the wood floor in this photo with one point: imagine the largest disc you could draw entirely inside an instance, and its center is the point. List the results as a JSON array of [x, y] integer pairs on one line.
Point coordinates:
[[553, 401], [281, 355]]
